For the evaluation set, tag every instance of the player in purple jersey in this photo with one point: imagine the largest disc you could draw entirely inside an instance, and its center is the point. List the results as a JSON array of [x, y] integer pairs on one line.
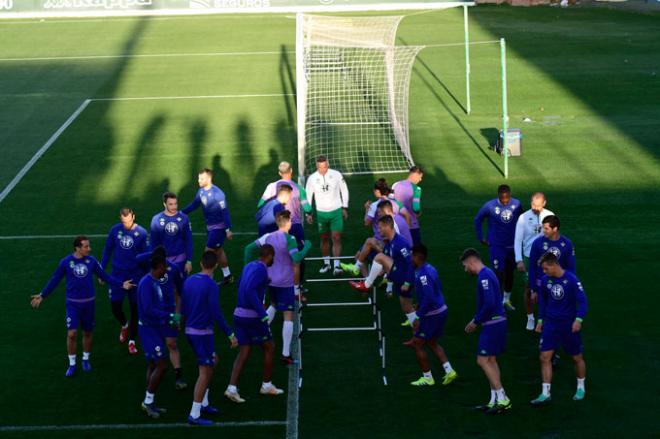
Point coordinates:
[[430, 325], [216, 215], [251, 322], [200, 309], [154, 319], [266, 212], [562, 307], [78, 268], [409, 193], [491, 317], [281, 286], [551, 241], [395, 260], [383, 193], [171, 229], [502, 214], [125, 242], [300, 210]]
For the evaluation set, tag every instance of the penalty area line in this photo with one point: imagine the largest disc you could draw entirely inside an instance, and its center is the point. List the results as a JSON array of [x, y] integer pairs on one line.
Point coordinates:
[[161, 426], [37, 155]]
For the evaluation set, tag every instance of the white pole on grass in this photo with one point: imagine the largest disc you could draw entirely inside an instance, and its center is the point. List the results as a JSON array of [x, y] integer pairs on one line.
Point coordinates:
[[301, 92], [468, 107], [505, 111]]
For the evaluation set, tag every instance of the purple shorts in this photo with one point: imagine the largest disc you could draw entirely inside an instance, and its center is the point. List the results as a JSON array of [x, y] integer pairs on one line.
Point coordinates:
[[282, 298], [431, 327], [204, 348], [502, 258], [80, 315], [558, 333], [153, 342], [492, 340], [251, 331], [215, 238]]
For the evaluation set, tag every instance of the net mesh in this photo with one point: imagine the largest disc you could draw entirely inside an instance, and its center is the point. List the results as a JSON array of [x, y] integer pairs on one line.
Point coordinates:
[[356, 86]]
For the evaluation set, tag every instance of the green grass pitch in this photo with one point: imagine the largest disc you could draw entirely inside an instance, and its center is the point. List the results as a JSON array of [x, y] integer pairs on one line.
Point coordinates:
[[586, 78]]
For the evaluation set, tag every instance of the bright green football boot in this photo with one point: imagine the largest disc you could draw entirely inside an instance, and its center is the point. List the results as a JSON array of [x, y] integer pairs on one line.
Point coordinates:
[[350, 268], [423, 381], [449, 378]]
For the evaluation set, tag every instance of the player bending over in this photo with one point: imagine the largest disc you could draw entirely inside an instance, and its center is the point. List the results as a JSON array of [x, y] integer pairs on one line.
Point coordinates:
[[216, 216], [200, 307], [80, 295], [562, 306], [492, 318], [430, 325], [251, 322]]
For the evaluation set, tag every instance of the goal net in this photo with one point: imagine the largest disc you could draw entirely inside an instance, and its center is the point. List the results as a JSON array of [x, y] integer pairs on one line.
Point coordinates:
[[352, 87]]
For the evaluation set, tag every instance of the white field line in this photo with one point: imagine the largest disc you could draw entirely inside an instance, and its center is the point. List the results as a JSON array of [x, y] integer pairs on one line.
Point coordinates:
[[95, 235], [161, 426], [146, 55], [160, 98], [37, 155]]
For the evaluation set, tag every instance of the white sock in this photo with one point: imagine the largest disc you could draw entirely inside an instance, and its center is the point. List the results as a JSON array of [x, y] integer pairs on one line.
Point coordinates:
[[580, 383], [336, 263], [507, 296], [148, 397], [205, 401], [86, 356], [225, 271], [266, 385], [545, 389], [411, 317], [232, 389], [447, 367], [296, 290], [501, 396], [125, 326], [287, 335], [196, 409], [390, 287], [358, 264], [326, 261], [72, 360], [493, 396], [271, 313], [530, 316], [375, 271], [428, 374]]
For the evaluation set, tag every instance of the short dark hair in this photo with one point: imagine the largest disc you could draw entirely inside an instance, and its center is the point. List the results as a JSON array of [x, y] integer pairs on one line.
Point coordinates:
[[284, 188], [282, 217], [77, 242], [209, 259], [381, 186], [266, 250], [416, 170], [420, 250], [549, 258], [158, 261], [167, 195], [159, 251], [387, 220], [385, 204], [503, 189], [552, 221], [126, 211], [538, 195], [470, 253], [321, 159], [206, 171]]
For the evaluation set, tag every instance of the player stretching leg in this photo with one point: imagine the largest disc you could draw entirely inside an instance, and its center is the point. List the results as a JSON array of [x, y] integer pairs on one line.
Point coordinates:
[[200, 306], [562, 306], [492, 318], [432, 312], [78, 268], [251, 322]]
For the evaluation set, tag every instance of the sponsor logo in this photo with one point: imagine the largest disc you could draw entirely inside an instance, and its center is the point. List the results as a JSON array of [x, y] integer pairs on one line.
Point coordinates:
[[204, 200], [80, 270], [506, 215], [163, 280], [171, 228], [557, 292], [555, 251], [484, 284], [423, 280], [6, 4], [94, 4], [229, 4], [126, 241]]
